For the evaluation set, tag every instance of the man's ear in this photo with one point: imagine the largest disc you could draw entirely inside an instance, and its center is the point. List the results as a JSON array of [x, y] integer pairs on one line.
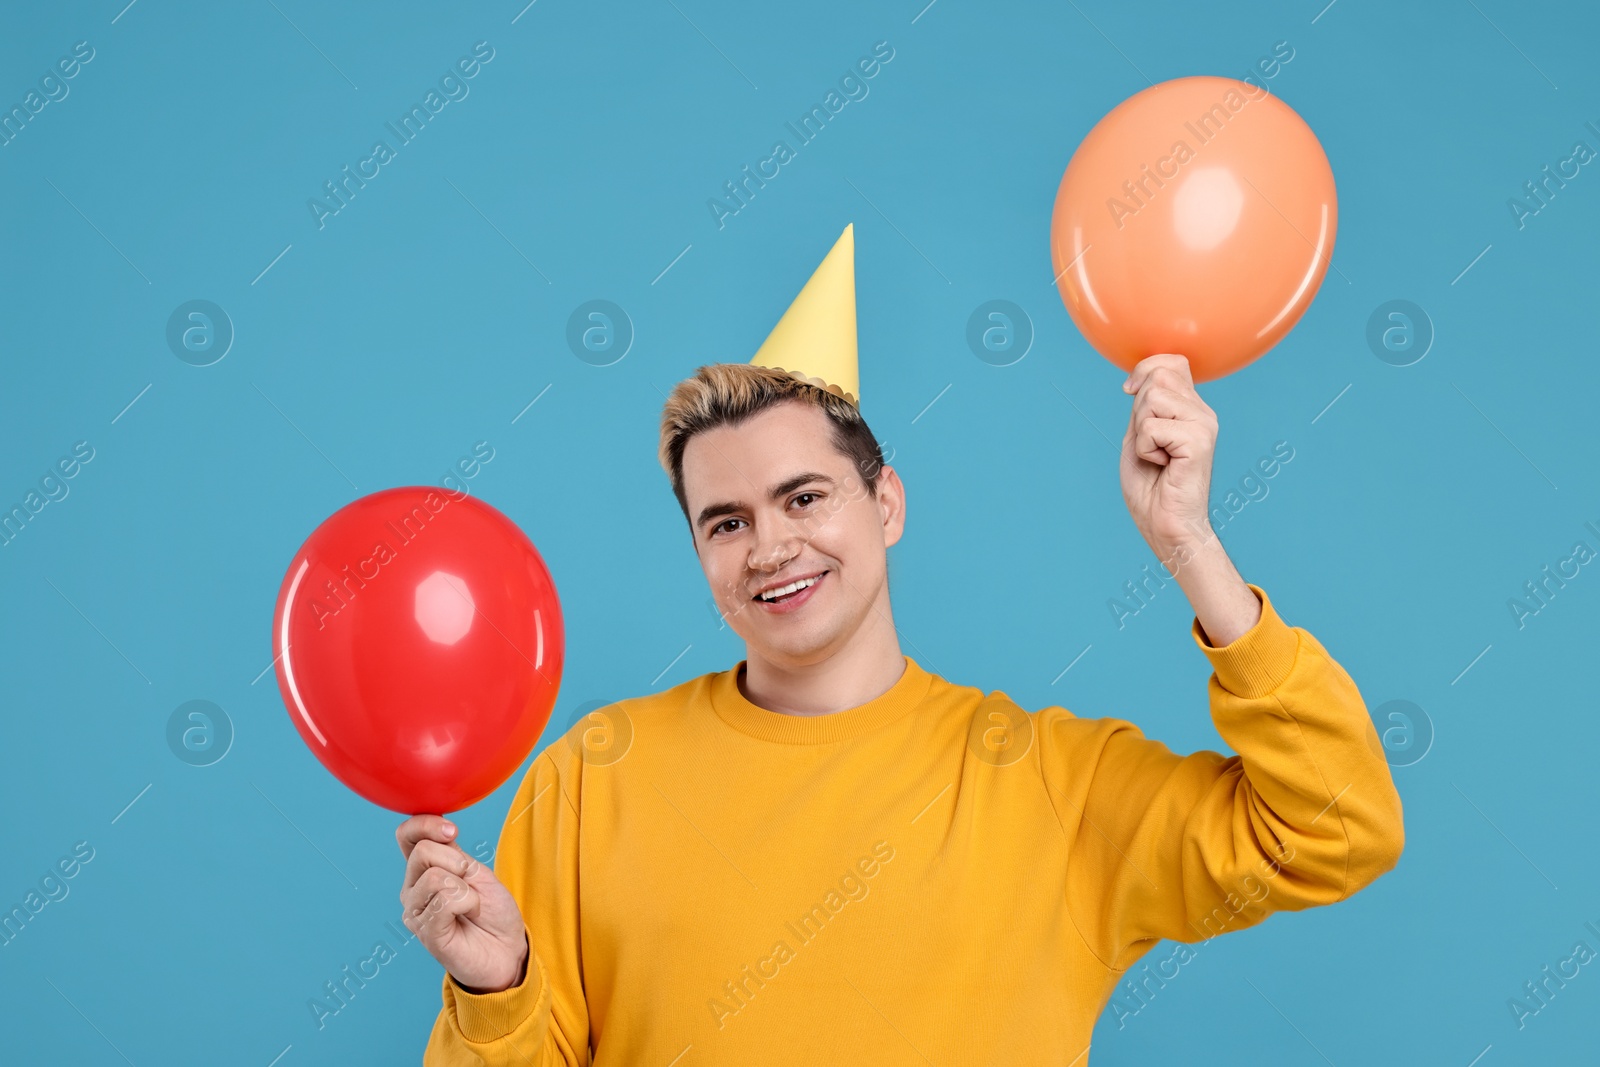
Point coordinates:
[[891, 504]]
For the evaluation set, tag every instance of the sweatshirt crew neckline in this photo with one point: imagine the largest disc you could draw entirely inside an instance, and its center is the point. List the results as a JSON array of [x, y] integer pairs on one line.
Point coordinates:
[[735, 709]]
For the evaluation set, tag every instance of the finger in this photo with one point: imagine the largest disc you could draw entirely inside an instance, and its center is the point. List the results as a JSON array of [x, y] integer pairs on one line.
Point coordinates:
[[1150, 364], [1166, 403], [1167, 395], [428, 854], [423, 827], [1167, 380], [1161, 402], [1160, 440], [1145, 448], [435, 881], [456, 900], [1138, 447]]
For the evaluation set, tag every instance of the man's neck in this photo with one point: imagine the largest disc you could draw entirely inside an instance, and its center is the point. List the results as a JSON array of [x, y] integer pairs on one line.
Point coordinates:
[[867, 667]]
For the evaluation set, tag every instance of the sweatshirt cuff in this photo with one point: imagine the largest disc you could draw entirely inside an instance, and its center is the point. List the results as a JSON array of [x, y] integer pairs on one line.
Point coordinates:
[[1258, 660], [487, 1017]]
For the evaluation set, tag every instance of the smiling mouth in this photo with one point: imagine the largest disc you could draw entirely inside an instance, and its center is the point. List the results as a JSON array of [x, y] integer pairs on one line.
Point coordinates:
[[785, 598]]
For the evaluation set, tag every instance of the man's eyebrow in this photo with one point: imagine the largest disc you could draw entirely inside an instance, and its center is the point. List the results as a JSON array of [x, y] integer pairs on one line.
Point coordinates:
[[782, 489]]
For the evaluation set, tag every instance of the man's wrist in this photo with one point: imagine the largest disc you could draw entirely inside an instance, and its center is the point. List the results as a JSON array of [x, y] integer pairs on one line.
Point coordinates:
[[522, 974], [1180, 552], [1221, 599]]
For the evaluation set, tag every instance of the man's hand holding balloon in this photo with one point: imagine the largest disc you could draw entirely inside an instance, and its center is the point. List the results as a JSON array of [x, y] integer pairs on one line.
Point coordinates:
[[1166, 461], [460, 911], [419, 646], [1166, 455]]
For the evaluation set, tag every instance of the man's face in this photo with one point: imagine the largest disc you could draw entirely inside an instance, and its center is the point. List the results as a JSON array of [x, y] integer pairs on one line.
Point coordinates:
[[772, 501]]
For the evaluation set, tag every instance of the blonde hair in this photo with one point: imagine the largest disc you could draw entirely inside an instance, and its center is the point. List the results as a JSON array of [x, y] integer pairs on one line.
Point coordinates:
[[721, 394]]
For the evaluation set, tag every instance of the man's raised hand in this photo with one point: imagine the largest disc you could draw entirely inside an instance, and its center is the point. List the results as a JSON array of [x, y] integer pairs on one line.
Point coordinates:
[[1166, 455]]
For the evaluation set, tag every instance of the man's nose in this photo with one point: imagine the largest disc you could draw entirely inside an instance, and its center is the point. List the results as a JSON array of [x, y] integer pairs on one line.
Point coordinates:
[[777, 542]]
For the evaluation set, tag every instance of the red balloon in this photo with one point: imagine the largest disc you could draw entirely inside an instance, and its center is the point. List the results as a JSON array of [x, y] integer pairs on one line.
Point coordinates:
[[418, 642]]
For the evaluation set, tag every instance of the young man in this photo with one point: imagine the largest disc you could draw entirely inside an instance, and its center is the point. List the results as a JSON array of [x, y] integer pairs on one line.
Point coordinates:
[[828, 854]]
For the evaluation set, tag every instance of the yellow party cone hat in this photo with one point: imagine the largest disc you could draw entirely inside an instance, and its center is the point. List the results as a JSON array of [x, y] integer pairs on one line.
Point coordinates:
[[816, 339]]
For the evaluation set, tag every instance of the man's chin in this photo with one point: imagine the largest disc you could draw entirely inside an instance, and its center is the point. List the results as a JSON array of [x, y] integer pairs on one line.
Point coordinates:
[[796, 650]]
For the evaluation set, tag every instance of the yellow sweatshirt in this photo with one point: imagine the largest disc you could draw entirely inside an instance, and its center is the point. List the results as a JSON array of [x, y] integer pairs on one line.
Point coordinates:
[[933, 877]]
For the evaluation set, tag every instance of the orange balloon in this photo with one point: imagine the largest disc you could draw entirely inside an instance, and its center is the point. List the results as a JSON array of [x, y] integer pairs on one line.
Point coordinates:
[[1198, 218]]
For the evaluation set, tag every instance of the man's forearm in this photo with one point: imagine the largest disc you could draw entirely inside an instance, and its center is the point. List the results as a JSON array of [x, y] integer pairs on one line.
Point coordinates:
[[1221, 599]]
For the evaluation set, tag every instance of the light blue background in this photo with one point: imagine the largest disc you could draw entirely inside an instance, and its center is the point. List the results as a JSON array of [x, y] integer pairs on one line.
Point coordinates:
[[413, 325]]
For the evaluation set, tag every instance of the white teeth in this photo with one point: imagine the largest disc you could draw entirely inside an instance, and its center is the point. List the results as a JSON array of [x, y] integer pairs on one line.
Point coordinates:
[[773, 594]]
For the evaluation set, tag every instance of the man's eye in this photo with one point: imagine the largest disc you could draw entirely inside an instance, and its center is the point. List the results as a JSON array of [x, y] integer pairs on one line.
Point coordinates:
[[721, 526]]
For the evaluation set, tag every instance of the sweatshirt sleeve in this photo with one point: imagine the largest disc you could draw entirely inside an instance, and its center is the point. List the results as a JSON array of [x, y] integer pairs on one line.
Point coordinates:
[[1186, 847], [544, 1020]]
